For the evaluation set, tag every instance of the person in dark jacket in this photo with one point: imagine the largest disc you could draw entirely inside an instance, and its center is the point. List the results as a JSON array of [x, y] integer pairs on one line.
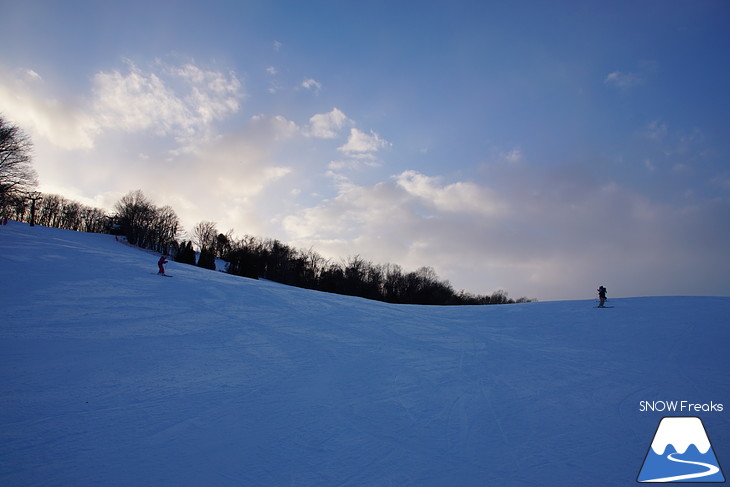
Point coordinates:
[[161, 264], [602, 296]]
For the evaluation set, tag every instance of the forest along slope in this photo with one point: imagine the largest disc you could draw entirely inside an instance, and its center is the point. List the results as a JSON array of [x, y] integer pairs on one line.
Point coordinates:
[[111, 375]]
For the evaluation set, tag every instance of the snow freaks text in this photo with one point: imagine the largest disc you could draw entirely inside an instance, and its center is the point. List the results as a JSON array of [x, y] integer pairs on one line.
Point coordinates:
[[679, 407]]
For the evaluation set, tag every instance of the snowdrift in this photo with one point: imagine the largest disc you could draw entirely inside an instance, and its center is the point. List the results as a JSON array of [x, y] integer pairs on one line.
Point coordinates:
[[111, 375]]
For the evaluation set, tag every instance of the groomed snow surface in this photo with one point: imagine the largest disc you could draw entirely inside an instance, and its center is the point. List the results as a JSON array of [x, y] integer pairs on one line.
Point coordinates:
[[113, 376]]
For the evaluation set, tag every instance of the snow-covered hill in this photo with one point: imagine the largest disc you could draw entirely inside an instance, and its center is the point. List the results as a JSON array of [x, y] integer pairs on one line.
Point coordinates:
[[111, 375]]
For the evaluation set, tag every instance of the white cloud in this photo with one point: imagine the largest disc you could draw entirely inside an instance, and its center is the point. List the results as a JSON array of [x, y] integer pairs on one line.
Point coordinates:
[[326, 125], [356, 210], [180, 100], [623, 80], [26, 99], [136, 102], [33, 75], [212, 95], [359, 142], [312, 85], [352, 164], [459, 197]]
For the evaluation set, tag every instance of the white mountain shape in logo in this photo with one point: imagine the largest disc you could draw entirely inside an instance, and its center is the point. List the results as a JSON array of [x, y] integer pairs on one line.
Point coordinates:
[[680, 433]]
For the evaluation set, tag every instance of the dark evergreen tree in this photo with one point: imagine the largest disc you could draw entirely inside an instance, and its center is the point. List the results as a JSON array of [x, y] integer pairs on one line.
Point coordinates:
[[186, 254], [206, 259]]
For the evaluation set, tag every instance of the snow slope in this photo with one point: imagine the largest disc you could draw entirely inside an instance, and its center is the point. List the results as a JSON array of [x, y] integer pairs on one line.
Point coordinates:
[[111, 375]]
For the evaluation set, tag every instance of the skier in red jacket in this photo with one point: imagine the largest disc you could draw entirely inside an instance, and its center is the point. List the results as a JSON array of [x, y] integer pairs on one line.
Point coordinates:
[[161, 263]]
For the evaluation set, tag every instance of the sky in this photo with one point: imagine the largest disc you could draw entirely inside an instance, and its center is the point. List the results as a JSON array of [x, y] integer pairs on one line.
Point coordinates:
[[543, 148]]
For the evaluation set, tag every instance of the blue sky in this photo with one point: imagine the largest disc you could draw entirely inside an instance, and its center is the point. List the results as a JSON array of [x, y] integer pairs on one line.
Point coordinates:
[[540, 147]]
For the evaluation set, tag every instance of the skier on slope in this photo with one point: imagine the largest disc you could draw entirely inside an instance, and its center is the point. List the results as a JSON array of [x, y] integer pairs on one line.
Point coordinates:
[[161, 263], [601, 296]]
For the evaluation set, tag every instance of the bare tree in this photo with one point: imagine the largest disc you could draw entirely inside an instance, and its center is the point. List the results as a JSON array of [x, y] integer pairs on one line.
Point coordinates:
[[167, 229], [204, 236], [134, 212], [17, 175]]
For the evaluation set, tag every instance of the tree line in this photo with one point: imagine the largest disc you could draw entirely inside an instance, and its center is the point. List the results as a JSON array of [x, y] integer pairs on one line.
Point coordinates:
[[355, 276], [146, 225], [52, 210], [265, 258]]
